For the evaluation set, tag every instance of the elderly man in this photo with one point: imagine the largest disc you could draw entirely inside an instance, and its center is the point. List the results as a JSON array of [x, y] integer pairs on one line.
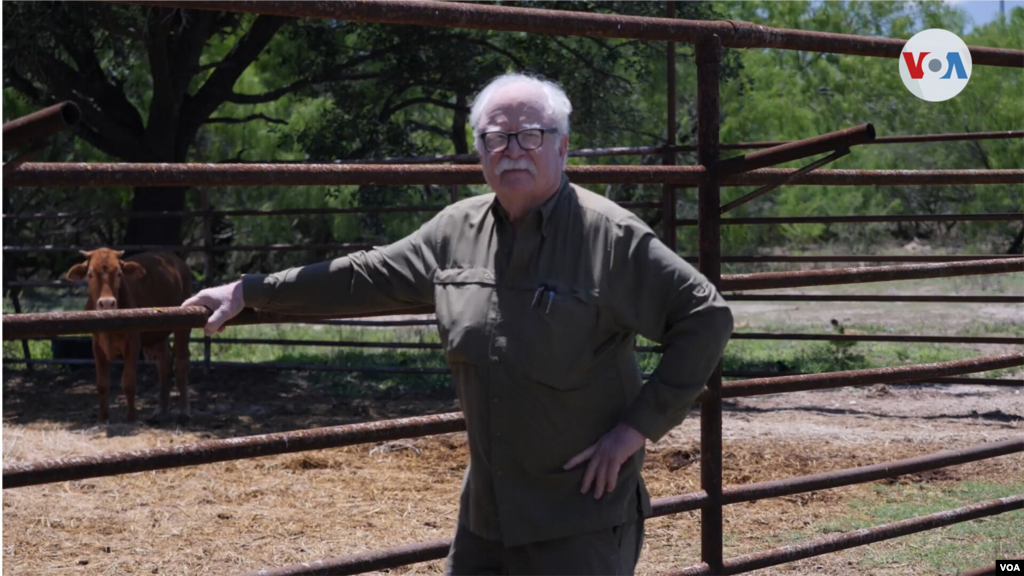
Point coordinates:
[[540, 289]]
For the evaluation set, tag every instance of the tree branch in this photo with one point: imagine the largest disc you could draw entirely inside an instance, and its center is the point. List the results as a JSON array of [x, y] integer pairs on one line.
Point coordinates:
[[300, 85], [23, 85], [90, 81], [519, 63], [66, 84], [218, 87], [249, 118], [422, 100], [414, 126], [589, 63], [332, 75]]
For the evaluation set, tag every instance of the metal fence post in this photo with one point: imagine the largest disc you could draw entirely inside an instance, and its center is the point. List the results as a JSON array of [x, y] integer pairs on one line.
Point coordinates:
[[709, 56], [207, 269], [668, 191]]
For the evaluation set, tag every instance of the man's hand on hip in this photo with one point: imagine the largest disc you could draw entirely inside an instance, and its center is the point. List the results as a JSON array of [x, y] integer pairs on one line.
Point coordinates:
[[606, 457], [224, 301]]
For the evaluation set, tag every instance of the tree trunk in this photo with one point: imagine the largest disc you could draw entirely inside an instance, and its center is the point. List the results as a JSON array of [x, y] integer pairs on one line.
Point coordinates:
[[156, 231]]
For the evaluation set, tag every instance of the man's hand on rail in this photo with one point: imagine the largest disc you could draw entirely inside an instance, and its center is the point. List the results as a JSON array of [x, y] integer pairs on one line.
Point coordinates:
[[224, 301]]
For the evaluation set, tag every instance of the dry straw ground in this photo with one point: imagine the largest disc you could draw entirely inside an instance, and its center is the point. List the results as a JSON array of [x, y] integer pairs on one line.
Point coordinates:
[[239, 516]]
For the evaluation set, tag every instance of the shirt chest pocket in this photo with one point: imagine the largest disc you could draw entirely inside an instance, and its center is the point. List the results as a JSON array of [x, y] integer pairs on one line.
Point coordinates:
[[555, 334], [463, 299]]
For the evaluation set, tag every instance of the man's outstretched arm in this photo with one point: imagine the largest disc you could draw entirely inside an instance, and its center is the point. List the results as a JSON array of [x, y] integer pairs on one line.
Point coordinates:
[[392, 277]]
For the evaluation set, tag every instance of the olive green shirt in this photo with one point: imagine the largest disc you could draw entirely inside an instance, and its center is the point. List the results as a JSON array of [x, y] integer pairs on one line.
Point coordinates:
[[538, 325]]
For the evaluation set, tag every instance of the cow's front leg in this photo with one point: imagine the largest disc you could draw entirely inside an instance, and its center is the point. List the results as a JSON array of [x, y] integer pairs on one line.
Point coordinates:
[[131, 359], [102, 381]]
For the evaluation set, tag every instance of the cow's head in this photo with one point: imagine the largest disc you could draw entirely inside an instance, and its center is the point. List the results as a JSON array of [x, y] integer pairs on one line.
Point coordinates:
[[105, 271]]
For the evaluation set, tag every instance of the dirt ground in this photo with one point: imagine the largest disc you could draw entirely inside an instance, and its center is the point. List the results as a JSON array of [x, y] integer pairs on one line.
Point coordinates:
[[241, 516]]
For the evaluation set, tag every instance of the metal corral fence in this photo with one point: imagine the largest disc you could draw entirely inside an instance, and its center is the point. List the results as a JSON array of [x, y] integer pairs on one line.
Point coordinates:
[[749, 170]]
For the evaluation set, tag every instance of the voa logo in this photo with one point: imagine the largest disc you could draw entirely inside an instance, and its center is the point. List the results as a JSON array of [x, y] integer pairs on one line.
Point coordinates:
[[935, 65]]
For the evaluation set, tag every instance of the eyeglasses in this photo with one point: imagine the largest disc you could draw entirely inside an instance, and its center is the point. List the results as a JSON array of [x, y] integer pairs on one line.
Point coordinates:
[[529, 139]]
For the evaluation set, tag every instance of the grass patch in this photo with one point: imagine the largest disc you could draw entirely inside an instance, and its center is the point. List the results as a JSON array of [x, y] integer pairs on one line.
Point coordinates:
[[948, 550]]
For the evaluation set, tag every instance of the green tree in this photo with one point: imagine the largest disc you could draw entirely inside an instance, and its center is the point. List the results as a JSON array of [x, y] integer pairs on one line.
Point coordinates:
[[785, 95], [161, 85]]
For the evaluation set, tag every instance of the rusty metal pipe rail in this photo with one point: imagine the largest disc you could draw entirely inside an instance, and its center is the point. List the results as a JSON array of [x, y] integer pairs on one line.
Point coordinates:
[[345, 248], [422, 371], [669, 149], [772, 221], [227, 213], [837, 542], [143, 319], [61, 284], [40, 125], [993, 217], [16, 326], [363, 562], [444, 371], [838, 478], [663, 149], [829, 337], [805, 382], [838, 140], [817, 258], [182, 248], [437, 549], [805, 278], [78, 468], [79, 174], [879, 338], [871, 298], [733, 34], [239, 213]]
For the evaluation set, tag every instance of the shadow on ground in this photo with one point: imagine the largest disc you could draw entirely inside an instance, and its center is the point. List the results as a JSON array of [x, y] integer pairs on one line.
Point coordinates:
[[230, 402]]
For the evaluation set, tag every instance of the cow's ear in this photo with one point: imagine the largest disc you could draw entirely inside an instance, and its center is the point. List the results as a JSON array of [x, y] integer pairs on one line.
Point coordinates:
[[133, 270], [77, 272]]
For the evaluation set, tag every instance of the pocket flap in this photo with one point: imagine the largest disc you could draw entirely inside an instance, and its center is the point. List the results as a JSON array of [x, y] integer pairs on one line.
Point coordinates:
[[464, 276]]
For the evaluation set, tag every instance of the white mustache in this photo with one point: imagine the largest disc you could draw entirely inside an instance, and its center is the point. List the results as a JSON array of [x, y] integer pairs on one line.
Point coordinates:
[[516, 164]]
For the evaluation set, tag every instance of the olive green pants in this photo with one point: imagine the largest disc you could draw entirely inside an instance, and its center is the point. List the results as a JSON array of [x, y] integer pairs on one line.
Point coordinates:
[[612, 551]]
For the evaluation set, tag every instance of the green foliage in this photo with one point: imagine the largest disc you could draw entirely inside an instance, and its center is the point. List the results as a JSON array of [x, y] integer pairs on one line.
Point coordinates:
[[326, 90], [783, 95]]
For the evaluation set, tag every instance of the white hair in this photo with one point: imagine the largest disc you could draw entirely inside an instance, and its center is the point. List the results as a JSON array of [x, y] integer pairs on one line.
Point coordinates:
[[558, 105]]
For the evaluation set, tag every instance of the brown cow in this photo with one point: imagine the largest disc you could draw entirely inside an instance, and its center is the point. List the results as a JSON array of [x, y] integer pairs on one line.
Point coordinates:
[[147, 280]]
